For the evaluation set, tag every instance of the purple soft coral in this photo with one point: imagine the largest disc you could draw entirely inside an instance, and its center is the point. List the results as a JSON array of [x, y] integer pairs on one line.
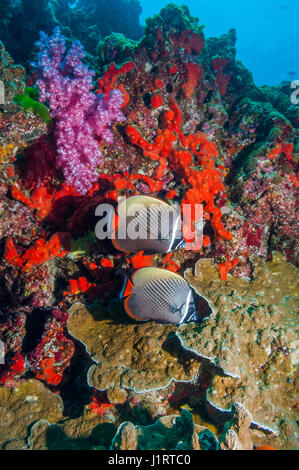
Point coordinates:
[[82, 118]]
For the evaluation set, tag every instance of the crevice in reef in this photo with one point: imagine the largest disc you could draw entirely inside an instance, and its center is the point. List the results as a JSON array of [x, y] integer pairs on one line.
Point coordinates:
[[35, 324], [74, 389]]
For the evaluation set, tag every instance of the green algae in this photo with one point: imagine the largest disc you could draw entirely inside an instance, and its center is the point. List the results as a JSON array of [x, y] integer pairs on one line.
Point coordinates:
[[29, 102]]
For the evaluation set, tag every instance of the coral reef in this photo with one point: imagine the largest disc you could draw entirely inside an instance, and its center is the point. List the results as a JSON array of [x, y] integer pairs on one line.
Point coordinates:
[[18, 128], [89, 22], [169, 432], [89, 432], [180, 433], [174, 116], [236, 434]]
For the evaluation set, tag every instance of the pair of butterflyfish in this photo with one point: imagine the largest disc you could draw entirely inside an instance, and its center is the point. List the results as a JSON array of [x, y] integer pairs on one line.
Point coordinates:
[[152, 293]]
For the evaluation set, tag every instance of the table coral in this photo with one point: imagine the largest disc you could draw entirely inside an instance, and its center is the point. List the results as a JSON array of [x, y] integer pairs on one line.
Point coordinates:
[[88, 432], [22, 407], [127, 356], [252, 337]]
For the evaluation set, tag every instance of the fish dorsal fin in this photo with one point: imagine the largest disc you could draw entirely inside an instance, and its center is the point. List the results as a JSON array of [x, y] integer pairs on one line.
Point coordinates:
[[124, 206], [143, 275]]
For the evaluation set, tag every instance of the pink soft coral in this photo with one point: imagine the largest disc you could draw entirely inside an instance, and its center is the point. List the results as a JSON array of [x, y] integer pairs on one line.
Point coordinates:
[[81, 117]]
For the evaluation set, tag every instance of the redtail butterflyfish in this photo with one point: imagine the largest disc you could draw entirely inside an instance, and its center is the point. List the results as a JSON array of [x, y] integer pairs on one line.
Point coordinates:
[[145, 223], [159, 294]]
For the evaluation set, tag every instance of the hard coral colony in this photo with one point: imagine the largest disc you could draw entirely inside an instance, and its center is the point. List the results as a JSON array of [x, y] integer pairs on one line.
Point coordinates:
[[97, 332]]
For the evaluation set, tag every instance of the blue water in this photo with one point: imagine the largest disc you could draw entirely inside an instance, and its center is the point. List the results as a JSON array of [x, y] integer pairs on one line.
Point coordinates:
[[267, 32]]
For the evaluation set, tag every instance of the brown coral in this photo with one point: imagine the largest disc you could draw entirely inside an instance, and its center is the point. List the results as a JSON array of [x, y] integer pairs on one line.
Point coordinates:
[[128, 356], [23, 406], [252, 337]]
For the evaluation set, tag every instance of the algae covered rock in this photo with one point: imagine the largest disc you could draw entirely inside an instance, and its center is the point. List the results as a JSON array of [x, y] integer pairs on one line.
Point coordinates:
[[17, 128]]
